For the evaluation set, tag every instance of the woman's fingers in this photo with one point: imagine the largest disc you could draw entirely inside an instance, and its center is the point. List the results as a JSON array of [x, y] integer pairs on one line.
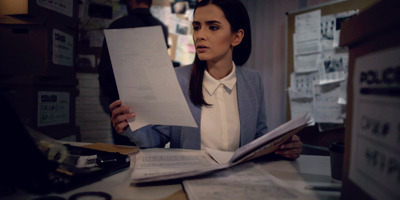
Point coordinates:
[[115, 104], [121, 127], [292, 145], [289, 151], [292, 149], [120, 124], [119, 111]]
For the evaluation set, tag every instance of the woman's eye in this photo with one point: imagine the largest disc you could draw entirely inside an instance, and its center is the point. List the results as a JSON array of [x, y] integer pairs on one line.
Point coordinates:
[[214, 28], [196, 28]]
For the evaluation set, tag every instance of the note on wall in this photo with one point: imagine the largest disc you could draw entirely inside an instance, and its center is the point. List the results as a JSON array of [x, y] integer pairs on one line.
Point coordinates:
[[375, 134], [302, 83], [53, 108], [328, 28], [306, 63], [307, 33], [326, 102], [333, 67], [63, 48]]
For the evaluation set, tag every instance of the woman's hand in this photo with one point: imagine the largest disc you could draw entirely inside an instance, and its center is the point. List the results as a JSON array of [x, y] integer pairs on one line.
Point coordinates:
[[120, 113], [291, 149]]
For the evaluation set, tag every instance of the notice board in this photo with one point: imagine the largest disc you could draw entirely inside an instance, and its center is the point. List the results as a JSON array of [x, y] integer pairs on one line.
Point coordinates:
[[312, 135]]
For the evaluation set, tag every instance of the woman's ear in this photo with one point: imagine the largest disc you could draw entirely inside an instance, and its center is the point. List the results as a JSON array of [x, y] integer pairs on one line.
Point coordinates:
[[237, 37]]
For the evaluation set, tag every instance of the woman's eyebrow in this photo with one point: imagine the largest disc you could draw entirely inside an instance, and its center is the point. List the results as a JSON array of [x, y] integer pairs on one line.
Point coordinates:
[[195, 23], [212, 22], [207, 22]]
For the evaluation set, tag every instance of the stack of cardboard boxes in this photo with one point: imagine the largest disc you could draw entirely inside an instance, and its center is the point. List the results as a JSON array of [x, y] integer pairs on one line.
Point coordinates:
[[37, 63]]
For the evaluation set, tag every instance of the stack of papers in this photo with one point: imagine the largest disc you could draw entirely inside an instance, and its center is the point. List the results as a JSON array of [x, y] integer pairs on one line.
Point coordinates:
[[246, 181], [154, 167]]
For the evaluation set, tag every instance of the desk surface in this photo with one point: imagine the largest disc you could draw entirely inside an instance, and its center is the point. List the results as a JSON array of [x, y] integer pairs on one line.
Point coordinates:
[[306, 170]]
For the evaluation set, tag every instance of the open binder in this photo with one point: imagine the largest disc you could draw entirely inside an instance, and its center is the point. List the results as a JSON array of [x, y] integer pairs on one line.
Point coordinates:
[[261, 146]]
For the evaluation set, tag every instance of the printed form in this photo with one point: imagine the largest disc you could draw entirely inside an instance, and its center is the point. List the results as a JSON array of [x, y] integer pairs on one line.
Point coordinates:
[[146, 79], [246, 181], [150, 164]]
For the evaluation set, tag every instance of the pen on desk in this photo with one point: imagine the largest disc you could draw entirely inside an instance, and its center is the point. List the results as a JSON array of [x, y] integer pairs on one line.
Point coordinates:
[[325, 188]]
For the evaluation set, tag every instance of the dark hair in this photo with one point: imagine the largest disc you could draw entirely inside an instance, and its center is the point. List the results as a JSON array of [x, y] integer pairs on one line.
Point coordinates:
[[147, 2], [238, 18]]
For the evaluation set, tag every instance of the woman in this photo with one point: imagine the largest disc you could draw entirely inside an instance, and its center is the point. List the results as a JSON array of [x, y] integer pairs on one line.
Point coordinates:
[[226, 100]]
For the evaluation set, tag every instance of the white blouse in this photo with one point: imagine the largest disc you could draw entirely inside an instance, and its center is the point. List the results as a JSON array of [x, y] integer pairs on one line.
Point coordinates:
[[220, 124]]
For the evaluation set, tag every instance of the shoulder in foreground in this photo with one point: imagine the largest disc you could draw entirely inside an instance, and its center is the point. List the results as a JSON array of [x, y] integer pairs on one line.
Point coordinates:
[[186, 69], [183, 73], [246, 70]]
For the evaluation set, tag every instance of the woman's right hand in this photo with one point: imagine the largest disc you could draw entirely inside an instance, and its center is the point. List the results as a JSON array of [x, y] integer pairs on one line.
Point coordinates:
[[120, 113]]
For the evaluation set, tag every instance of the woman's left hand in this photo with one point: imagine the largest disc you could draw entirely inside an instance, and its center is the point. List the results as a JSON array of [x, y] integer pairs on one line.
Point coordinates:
[[291, 149]]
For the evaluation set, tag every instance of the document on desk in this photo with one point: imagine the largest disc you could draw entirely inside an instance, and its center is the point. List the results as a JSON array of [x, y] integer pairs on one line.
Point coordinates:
[[146, 79], [265, 144], [247, 181], [151, 164]]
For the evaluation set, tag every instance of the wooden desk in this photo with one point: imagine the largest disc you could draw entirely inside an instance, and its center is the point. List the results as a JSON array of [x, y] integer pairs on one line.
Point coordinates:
[[307, 170]]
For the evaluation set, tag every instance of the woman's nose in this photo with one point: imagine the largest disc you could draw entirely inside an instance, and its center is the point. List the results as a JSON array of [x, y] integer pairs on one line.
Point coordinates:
[[199, 34]]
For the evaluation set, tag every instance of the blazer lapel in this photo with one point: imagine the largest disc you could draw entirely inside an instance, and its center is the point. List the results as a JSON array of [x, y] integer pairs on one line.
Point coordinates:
[[246, 109]]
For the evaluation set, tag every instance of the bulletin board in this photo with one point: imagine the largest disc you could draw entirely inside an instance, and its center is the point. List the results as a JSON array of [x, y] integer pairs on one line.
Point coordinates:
[[311, 135]]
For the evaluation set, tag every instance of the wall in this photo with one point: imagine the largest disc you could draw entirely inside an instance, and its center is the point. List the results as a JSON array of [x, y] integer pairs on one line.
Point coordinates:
[[90, 116]]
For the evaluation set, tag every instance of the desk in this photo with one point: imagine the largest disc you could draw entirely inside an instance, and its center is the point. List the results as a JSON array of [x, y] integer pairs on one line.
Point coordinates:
[[307, 170]]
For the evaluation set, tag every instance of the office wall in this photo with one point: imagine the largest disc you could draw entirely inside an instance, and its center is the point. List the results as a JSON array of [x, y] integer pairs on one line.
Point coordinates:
[[94, 123]]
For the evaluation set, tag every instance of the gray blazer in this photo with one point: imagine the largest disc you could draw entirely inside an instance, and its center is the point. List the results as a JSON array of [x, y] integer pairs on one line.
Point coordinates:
[[252, 114]]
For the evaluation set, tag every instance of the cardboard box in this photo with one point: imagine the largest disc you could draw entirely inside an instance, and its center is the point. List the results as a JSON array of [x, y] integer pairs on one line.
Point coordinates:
[[36, 46], [376, 30], [65, 11], [44, 104]]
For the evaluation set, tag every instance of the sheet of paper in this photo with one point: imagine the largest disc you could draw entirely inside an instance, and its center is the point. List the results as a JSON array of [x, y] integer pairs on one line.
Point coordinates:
[[179, 26], [246, 181], [261, 146], [146, 79], [305, 47], [299, 104], [306, 63], [302, 83], [220, 156], [375, 133], [307, 26], [266, 138], [333, 67], [150, 164], [307, 33], [328, 28], [326, 106]]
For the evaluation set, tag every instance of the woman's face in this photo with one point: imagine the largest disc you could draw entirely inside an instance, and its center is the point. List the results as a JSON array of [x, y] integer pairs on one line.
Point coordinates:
[[212, 34]]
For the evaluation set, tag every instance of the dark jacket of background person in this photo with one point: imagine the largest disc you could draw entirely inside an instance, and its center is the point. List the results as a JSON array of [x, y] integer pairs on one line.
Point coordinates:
[[139, 17]]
